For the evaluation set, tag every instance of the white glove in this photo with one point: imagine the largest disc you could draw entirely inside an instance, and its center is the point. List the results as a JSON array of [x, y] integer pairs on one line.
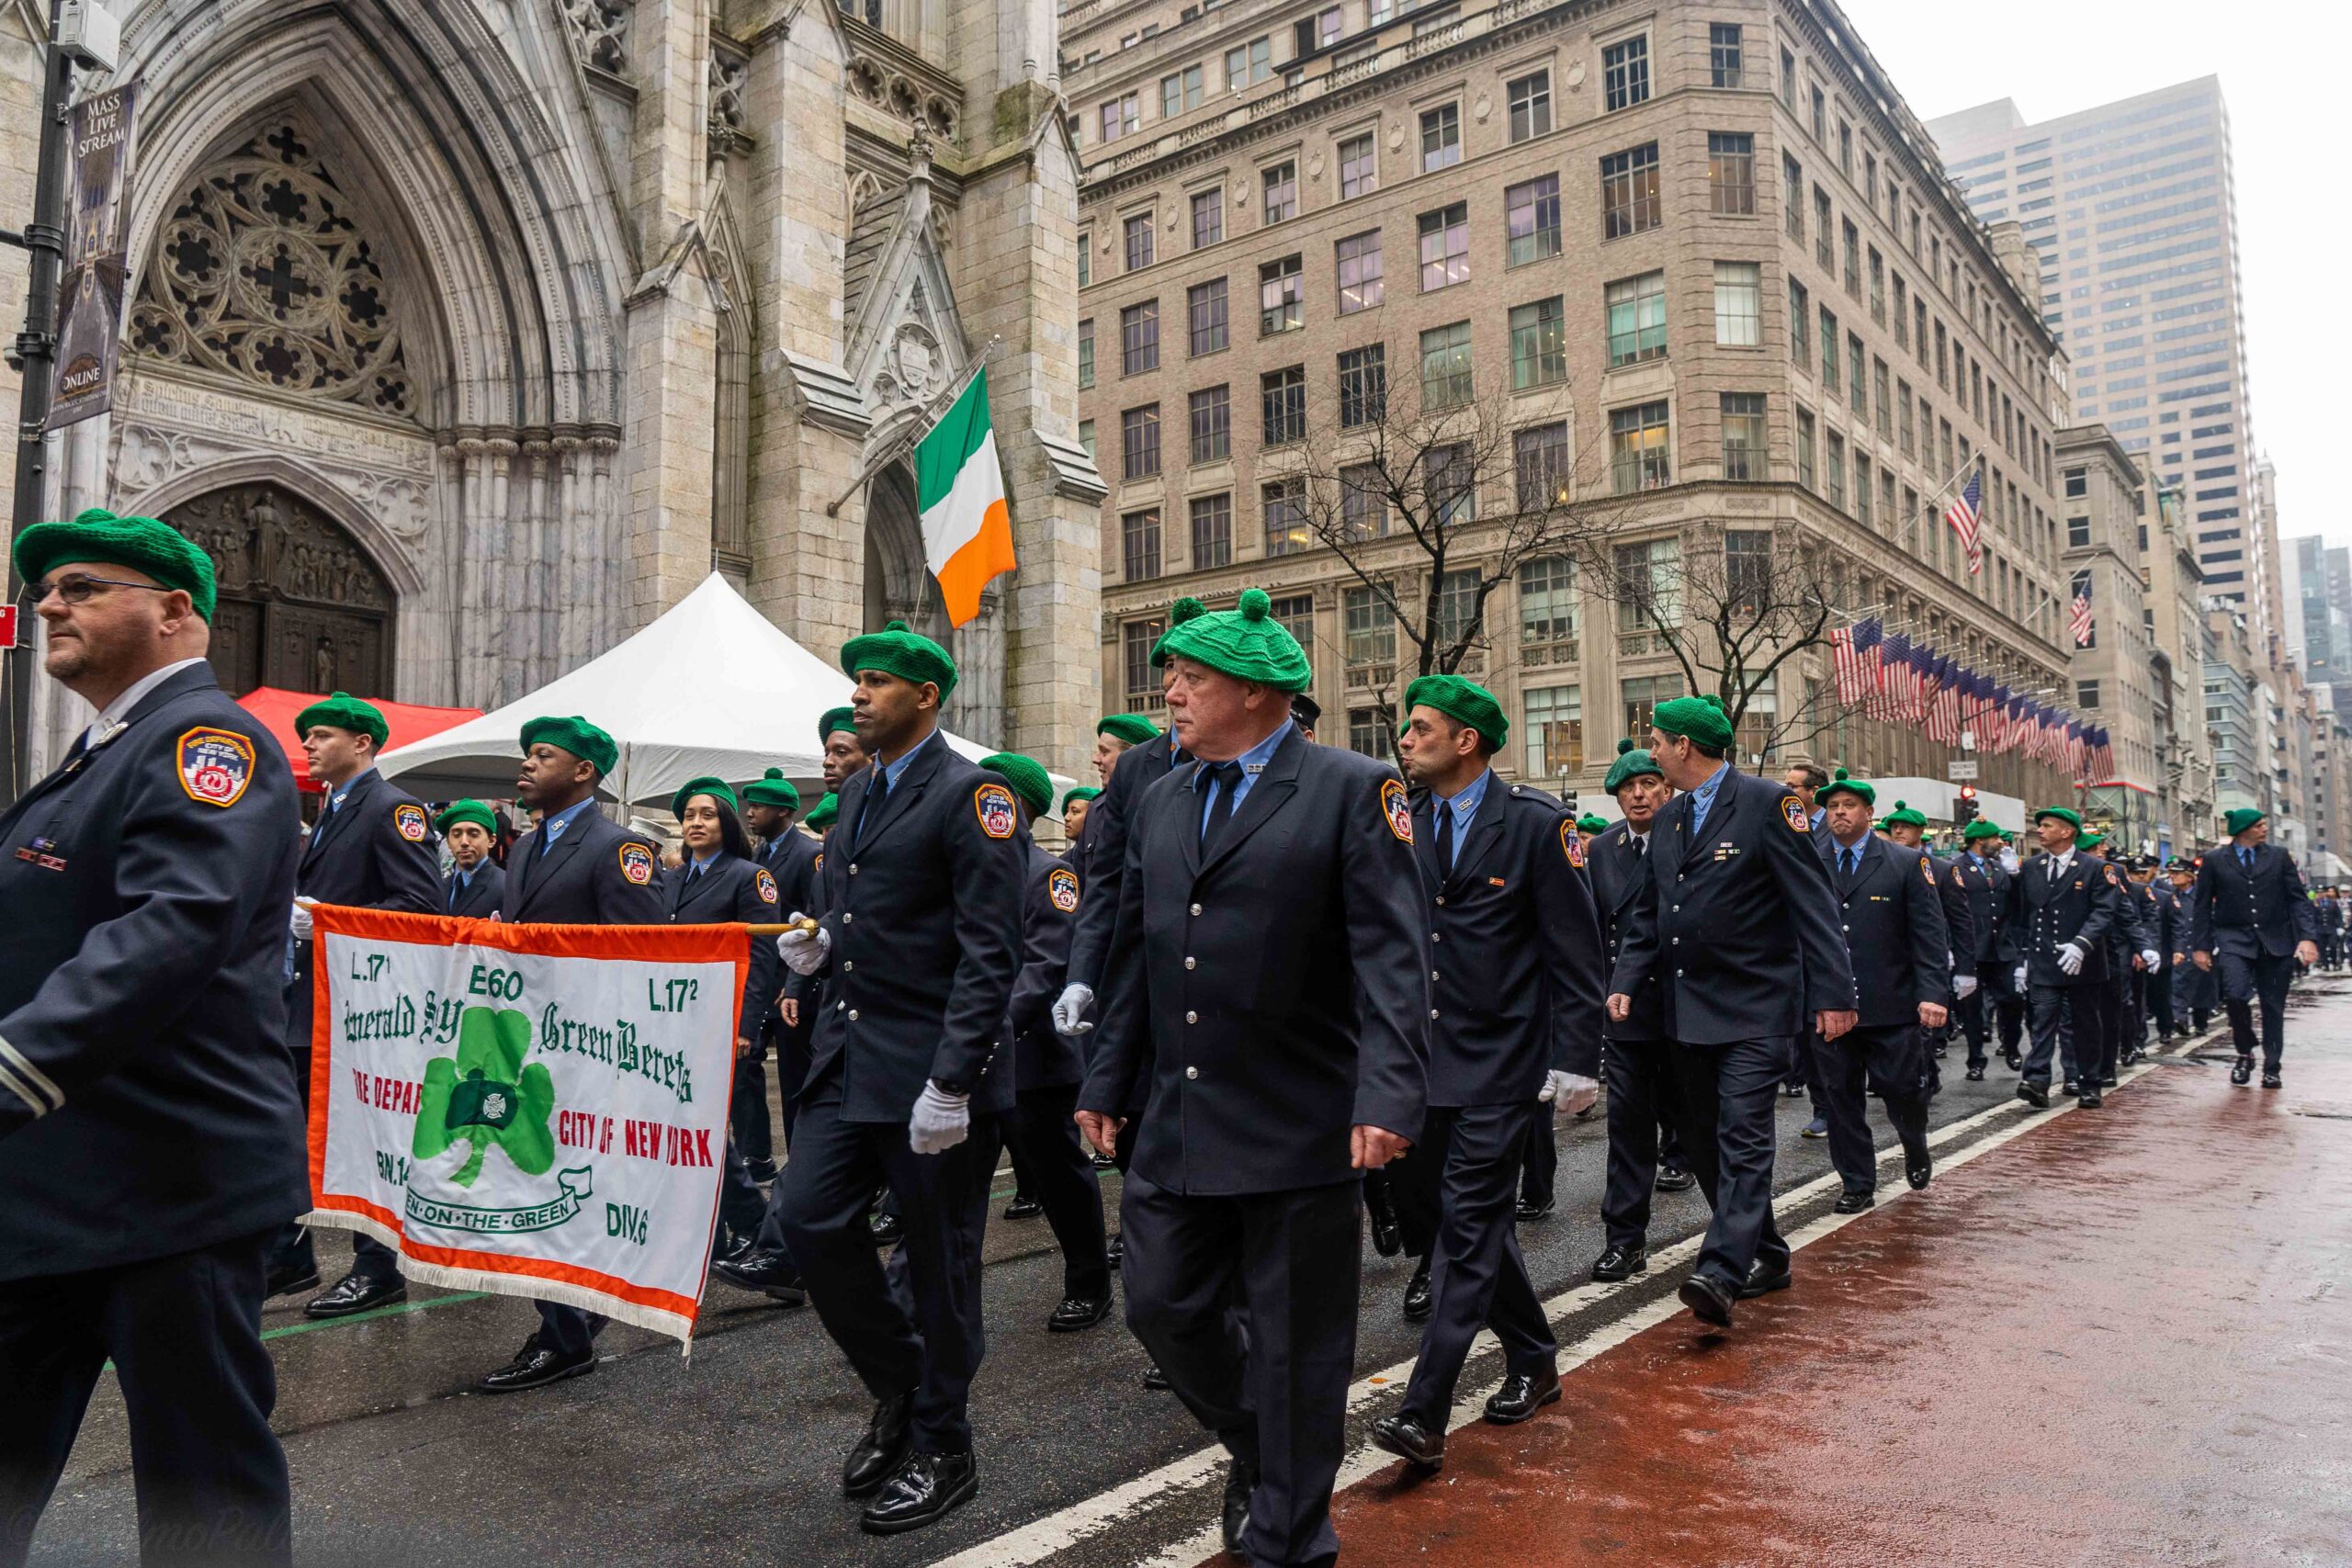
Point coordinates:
[[2148, 960], [941, 1121], [804, 951], [2020, 979], [298, 920], [2070, 958], [1069, 1008], [1963, 986], [1572, 1092]]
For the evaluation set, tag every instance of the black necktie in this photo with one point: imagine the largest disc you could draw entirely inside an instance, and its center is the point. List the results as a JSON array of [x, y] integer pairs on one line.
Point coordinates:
[[1224, 778], [1642, 847], [692, 873], [876, 796], [547, 839], [457, 887], [1444, 836]]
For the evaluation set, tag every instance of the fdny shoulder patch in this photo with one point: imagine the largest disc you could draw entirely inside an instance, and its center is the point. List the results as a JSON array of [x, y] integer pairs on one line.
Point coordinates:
[[2112, 880], [637, 863], [1958, 880], [992, 804], [766, 884], [1928, 871], [1794, 813], [215, 765], [1571, 845], [1061, 886], [1397, 808], [817, 866], [409, 822]]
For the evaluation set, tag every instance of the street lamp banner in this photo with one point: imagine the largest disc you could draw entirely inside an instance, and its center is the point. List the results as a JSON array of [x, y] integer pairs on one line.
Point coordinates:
[[535, 1110], [98, 228]]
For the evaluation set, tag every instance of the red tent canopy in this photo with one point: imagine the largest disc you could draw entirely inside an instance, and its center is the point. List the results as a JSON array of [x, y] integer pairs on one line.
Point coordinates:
[[276, 708]]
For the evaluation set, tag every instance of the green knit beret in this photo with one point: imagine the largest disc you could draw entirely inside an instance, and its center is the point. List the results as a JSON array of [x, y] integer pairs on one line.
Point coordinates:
[[773, 789], [1904, 816], [2066, 814], [1030, 782], [1633, 763], [908, 655], [717, 788], [1589, 823], [2089, 839], [1185, 609], [575, 735], [472, 811], [1245, 642], [344, 711], [1131, 728], [1702, 719], [1981, 829], [144, 544], [1083, 792], [840, 719], [1464, 702], [822, 815], [2239, 821], [1839, 781]]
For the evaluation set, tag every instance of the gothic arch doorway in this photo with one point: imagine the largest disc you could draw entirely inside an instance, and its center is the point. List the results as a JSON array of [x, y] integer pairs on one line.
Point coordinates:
[[302, 605], [899, 586]]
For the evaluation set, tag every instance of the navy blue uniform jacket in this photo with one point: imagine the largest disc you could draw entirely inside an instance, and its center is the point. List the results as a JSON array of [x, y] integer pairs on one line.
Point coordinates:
[[2257, 914], [1515, 967], [1108, 821], [481, 898], [147, 1105], [1051, 906], [1234, 980], [1620, 880], [1987, 888], [376, 853], [2046, 912], [733, 888], [1742, 931], [590, 877], [1893, 918]]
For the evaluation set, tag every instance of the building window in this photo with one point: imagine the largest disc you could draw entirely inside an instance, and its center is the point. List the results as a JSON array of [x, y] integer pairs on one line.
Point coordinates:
[[1208, 216], [1758, 718], [1139, 443], [1363, 385], [1284, 394], [1845, 150], [1359, 166], [1135, 639], [1828, 349], [1445, 246], [1804, 450], [1554, 721], [1636, 319], [1540, 465], [1637, 454], [1877, 389], [1789, 81], [1445, 367], [2086, 693], [1086, 435], [1457, 619], [1648, 589], [1440, 138], [1364, 502], [1800, 318], [1723, 51], [1629, 202], [1449, 480], [1367, 732], [1531, 105], [1744, 453], [1856, 390], [1085, 354], [1139, 338], [1548, 602], [1212, 531], [1531, 219], [1902, 313], [1360, 277], [1295, 614], [1902, 420], [1281, 300], [1211, 410], [1139, 534], [1878, 286], [1825, 235], [1248, 64], [1539, 345], [2078, 532], [1120, 117], [1834, 471], [1641, 695], [1626, 74], [1853, 257], [1748, 570], [1204, 305], [1284, 504], [1085, 259], [1792, 196], [1820, 117], [2078, 484], [1739, 305], [1369, 628], [1731, 171], [1139, 237], [1861, 485], [1281, 184], [1179, 92]]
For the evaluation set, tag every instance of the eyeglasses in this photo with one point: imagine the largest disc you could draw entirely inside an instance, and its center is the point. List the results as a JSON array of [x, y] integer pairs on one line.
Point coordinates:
[[79, 590]]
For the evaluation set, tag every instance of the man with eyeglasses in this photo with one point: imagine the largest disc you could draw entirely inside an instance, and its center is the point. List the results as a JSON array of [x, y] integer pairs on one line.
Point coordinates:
[[151, 1139]]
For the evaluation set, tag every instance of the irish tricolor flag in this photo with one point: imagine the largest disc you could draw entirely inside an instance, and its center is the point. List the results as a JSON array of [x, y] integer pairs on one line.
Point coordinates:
[[966, 533]]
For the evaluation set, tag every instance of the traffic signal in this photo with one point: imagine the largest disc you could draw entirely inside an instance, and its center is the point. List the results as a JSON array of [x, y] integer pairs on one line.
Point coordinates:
[[1963, 810]]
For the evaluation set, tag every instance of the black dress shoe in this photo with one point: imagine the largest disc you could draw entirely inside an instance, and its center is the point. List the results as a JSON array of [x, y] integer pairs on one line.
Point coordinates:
[[536, 1365], [1024, 1207], [285, 1279], [1918, 1168], [761, 1170], [2071, 1085], [1105, 1162], [1233, 1513], [1760, 1284], [2011, 1059], [1975, 1074], [2106, 1080], [2088, 1099], [732, 1249], [1156, 1380], [1115, 1249], [1942, 1048], [1853, 1200], [1076, 1313], [1674, 1178], [2242, 1072], [1416, 1294], [879, 1454], [1403, 1435], [1521, 1396], [1380, 1207], [2270, 1080], [925, 1490], [1792, 1090], [2034, 1094], [770, 1273], [1708, 1300], [355, 1294], [1534, 1208], [1621, 1263], [885, 1229]]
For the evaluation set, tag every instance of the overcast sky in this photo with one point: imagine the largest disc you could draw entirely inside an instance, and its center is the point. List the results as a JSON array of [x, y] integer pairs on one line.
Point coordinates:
[[2282, 65]]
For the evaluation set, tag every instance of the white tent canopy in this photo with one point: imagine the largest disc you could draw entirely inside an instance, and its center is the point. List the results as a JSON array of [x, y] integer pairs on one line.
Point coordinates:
[[711, 688]]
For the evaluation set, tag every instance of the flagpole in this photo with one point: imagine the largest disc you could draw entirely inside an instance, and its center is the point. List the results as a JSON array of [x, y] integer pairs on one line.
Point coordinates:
[[923, 422]]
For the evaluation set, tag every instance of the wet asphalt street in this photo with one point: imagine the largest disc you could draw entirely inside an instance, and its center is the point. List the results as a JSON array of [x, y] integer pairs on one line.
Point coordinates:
[[732, 1456]]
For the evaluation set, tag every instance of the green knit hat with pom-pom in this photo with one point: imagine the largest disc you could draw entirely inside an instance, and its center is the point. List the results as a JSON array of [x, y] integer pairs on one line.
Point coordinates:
[[1245, 642], [1839, 781], [1633, 761], [1904, 816]]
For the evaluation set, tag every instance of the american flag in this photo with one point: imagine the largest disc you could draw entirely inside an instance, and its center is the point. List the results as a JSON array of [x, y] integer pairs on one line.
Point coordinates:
[[1894, 679], [2079, 621], [1854, 659], [1965, 514], [1943, 711]]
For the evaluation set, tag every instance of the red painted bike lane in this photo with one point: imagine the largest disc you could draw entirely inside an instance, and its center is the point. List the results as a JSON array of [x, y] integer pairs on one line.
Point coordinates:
[[2124, 1337]]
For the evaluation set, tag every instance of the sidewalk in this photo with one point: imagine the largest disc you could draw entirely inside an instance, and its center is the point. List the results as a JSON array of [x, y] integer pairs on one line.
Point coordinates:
[[2124, 1337]]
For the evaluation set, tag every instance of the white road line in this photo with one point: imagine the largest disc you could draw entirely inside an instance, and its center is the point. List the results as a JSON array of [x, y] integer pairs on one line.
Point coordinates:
[[1082, 1521]]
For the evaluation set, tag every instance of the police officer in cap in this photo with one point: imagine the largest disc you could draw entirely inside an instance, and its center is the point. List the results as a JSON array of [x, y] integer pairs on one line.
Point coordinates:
[[476, 885], [575, 867], [2061, 904], [2254, 924], [1741, 932], [2169, 931], [1270, 982], [1987, 883], [151, 1137], [370, 848], [1515, 974], [918, 947], [790, 860]]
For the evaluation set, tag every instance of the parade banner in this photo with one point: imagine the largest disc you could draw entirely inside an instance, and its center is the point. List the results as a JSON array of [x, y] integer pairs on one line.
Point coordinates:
[[532, 1109], [90, 295]]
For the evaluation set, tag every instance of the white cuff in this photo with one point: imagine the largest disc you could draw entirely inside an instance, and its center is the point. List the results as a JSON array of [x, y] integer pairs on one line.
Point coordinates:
[[28, 1083]]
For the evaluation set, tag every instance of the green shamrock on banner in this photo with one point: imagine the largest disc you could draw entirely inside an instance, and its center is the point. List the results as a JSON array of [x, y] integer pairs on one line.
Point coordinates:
[[487, 1096]]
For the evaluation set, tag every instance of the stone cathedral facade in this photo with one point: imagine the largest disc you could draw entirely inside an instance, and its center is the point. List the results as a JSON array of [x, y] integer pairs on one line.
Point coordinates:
[[468, 335]]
